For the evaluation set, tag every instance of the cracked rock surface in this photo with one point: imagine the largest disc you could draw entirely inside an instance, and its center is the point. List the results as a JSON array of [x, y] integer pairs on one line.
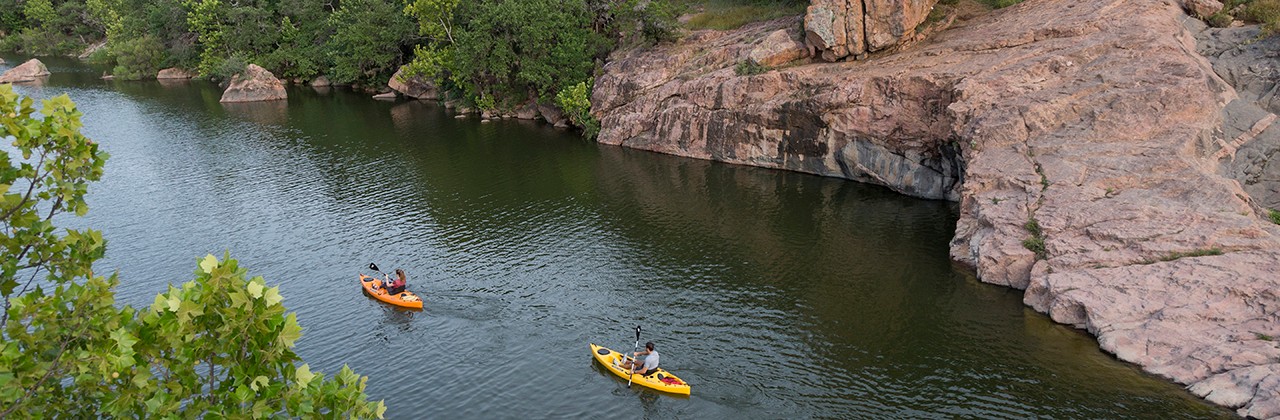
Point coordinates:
[[1097, 120]]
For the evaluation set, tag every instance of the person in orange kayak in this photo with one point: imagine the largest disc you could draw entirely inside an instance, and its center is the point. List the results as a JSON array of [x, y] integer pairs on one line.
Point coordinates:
[[646, 362], [397, 285]]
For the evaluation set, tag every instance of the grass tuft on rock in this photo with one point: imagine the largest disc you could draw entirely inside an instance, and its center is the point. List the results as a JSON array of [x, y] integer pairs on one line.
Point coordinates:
[[1036, 242], [749, 68], [1180, 255], [1000, 4], [1274, 215]]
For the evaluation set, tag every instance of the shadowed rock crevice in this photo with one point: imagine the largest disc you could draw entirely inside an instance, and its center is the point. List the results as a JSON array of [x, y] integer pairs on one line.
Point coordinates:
[[1248, 138]]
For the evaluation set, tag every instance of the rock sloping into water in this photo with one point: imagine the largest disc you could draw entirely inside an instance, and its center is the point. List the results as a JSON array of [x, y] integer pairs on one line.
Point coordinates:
[[414, 87], [30, 71], [1081, 139], [254, 84], [174, 73]]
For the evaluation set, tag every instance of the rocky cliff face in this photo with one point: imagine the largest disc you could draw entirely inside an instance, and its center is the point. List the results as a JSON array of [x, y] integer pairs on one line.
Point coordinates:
[[1080, 138], [879, 127], [836, 29], [1250, 138]]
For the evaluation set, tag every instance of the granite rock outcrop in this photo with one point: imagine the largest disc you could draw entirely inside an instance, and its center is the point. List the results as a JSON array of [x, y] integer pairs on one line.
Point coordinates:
[[414, 87], [174, 73], [1249, 137], [254, 84], [30, 71], [1082, 140], [836, 29]]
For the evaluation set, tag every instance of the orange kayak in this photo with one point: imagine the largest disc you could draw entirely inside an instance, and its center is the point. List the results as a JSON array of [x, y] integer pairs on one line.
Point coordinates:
[[373, 287]]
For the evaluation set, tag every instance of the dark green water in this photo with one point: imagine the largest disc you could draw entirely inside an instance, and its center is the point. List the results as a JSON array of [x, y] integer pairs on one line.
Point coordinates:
[[776, 295]]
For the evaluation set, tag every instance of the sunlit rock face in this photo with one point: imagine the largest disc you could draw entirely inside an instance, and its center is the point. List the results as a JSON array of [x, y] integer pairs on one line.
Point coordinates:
[[253, 85]]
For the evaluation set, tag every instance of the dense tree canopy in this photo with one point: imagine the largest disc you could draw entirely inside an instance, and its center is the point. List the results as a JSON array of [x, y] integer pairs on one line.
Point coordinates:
[[487, 53]]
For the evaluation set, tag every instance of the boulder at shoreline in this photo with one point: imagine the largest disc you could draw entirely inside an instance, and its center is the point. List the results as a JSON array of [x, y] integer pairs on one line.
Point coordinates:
[[30, 71], [253, 85], [413, 87], [174, 73]]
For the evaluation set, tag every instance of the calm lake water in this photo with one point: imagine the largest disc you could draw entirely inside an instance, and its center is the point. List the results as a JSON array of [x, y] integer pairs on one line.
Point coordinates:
[[775, 294]]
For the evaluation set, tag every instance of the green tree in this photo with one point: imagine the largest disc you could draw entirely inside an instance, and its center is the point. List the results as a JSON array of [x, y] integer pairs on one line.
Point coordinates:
[[206, 20], [368, 39], [501, 51], [218, 345], [39, 13], [136, 58], [435, 18]]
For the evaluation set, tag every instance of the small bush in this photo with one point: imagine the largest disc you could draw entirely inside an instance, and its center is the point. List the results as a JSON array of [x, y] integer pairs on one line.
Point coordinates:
[[137, 58], [1262, 11], [1274, 215], [1219, 20], [576, 103], [486, 103], [748, 68], [230, 67], [935, 15], [1263, 337], [658, 22]]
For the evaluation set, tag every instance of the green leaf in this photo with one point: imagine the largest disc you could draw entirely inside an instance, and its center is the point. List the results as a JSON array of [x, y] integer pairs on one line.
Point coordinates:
[[188, 309], [123, 338], [273, 296], [160, 303], [292, 331], [304, 375], [255, 290], [258, 379], [209, 263], [238, 300]]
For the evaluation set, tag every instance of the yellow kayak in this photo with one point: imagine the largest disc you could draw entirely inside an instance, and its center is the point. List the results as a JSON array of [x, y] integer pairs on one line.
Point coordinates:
[[660, 380]]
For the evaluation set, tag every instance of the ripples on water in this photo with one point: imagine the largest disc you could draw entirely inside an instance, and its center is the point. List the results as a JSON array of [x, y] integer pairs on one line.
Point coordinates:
[[776, 295]]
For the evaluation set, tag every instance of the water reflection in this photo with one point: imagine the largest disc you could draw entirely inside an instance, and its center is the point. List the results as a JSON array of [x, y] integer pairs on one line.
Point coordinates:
[[262, 112]]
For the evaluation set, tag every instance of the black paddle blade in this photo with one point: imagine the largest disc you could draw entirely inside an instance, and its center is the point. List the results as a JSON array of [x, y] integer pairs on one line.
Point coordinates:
[[637, 333], [373, 267]]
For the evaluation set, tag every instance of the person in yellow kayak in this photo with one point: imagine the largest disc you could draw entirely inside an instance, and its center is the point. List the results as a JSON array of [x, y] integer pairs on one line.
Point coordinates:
[[645, 361], [397, 285]]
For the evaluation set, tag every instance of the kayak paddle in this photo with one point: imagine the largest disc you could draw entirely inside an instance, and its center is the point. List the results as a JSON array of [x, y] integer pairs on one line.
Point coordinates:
[[632, 370]]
